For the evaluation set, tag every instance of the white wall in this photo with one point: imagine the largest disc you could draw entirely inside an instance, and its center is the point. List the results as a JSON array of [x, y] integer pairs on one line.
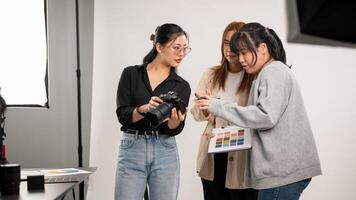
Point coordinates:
[[121, 38]]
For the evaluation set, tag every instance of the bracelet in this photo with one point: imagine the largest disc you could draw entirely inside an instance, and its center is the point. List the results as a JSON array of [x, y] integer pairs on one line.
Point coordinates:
[[141, 113]]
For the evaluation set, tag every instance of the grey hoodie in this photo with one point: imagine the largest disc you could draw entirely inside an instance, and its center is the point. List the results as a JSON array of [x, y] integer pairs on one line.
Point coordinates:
[[283, 147]]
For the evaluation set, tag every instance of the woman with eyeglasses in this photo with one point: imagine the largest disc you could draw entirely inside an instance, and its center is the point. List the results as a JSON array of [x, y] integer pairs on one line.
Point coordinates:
[[223, 174], [148, 153]]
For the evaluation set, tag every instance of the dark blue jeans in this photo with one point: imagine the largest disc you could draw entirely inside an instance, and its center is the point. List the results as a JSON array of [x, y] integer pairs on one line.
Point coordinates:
[[287, 192]]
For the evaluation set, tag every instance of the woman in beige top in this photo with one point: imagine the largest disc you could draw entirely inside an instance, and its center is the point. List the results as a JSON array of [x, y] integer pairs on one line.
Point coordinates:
[[223, 174]]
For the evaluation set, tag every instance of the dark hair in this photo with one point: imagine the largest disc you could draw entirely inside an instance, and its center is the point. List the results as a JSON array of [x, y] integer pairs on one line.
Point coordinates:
[[163, 34], [220, 72], [251, 35]]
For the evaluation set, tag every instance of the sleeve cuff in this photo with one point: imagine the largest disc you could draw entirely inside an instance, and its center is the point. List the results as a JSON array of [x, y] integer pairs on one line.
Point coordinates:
[[214, 106]]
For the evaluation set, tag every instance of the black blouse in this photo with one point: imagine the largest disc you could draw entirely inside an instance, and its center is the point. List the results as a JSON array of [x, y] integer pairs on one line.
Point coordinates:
[[135, 90]]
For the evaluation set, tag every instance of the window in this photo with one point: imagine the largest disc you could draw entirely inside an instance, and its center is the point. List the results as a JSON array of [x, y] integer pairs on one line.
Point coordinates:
[[23, 53]]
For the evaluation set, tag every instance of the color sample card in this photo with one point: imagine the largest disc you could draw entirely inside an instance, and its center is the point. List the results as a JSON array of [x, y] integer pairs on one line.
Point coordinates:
[[63, 172], [231, 138]]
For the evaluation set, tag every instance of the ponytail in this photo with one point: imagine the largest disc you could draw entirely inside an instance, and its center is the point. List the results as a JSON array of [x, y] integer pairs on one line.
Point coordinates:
[[275, 46], [150, 56]]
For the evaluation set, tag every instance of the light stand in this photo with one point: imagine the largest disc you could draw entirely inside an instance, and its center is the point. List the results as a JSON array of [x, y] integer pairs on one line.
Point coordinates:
[[80, 146]]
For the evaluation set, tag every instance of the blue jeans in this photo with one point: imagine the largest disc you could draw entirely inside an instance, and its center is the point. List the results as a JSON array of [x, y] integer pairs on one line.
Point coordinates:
[[147, 160], [287, 192]]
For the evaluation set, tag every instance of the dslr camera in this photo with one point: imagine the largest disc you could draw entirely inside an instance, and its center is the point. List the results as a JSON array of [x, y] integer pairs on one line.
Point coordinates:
[[171, 100]]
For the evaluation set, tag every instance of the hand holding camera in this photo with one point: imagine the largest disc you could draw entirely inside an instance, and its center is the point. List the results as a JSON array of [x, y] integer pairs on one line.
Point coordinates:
[[167, 107], [153, 103], [175, 119]]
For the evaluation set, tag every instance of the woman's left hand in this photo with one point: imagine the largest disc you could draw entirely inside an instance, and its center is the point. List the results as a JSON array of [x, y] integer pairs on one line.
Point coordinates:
[[175, 119]]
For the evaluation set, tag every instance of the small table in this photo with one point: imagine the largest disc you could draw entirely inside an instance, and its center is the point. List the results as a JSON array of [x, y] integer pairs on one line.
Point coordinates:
[[51, 191]]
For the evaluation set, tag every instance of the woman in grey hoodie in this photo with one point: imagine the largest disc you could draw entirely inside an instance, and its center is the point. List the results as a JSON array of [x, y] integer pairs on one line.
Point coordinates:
[[283, 158]]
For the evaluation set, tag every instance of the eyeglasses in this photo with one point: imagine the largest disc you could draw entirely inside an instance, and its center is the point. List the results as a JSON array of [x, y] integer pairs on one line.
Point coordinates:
[[177, 50]]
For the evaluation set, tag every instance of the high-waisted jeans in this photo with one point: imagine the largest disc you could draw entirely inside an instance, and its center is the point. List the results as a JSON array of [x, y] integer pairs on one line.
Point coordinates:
[[147, 160], [287, 192]]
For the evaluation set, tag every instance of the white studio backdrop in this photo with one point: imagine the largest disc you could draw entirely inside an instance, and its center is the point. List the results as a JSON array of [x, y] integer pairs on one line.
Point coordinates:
[[325, 74], [23, 52]]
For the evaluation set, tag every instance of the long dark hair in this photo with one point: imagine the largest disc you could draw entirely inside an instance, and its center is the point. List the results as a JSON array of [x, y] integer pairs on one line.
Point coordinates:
[[251, 35], [220, 72], [163, 34]]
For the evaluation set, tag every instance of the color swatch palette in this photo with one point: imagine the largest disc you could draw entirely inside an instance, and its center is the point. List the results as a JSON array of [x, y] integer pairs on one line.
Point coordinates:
[[228, 138], [231, 138], [63, 172]]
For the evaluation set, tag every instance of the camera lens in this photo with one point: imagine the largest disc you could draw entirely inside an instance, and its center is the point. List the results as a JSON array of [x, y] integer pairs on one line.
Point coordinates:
[[160, 113]]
